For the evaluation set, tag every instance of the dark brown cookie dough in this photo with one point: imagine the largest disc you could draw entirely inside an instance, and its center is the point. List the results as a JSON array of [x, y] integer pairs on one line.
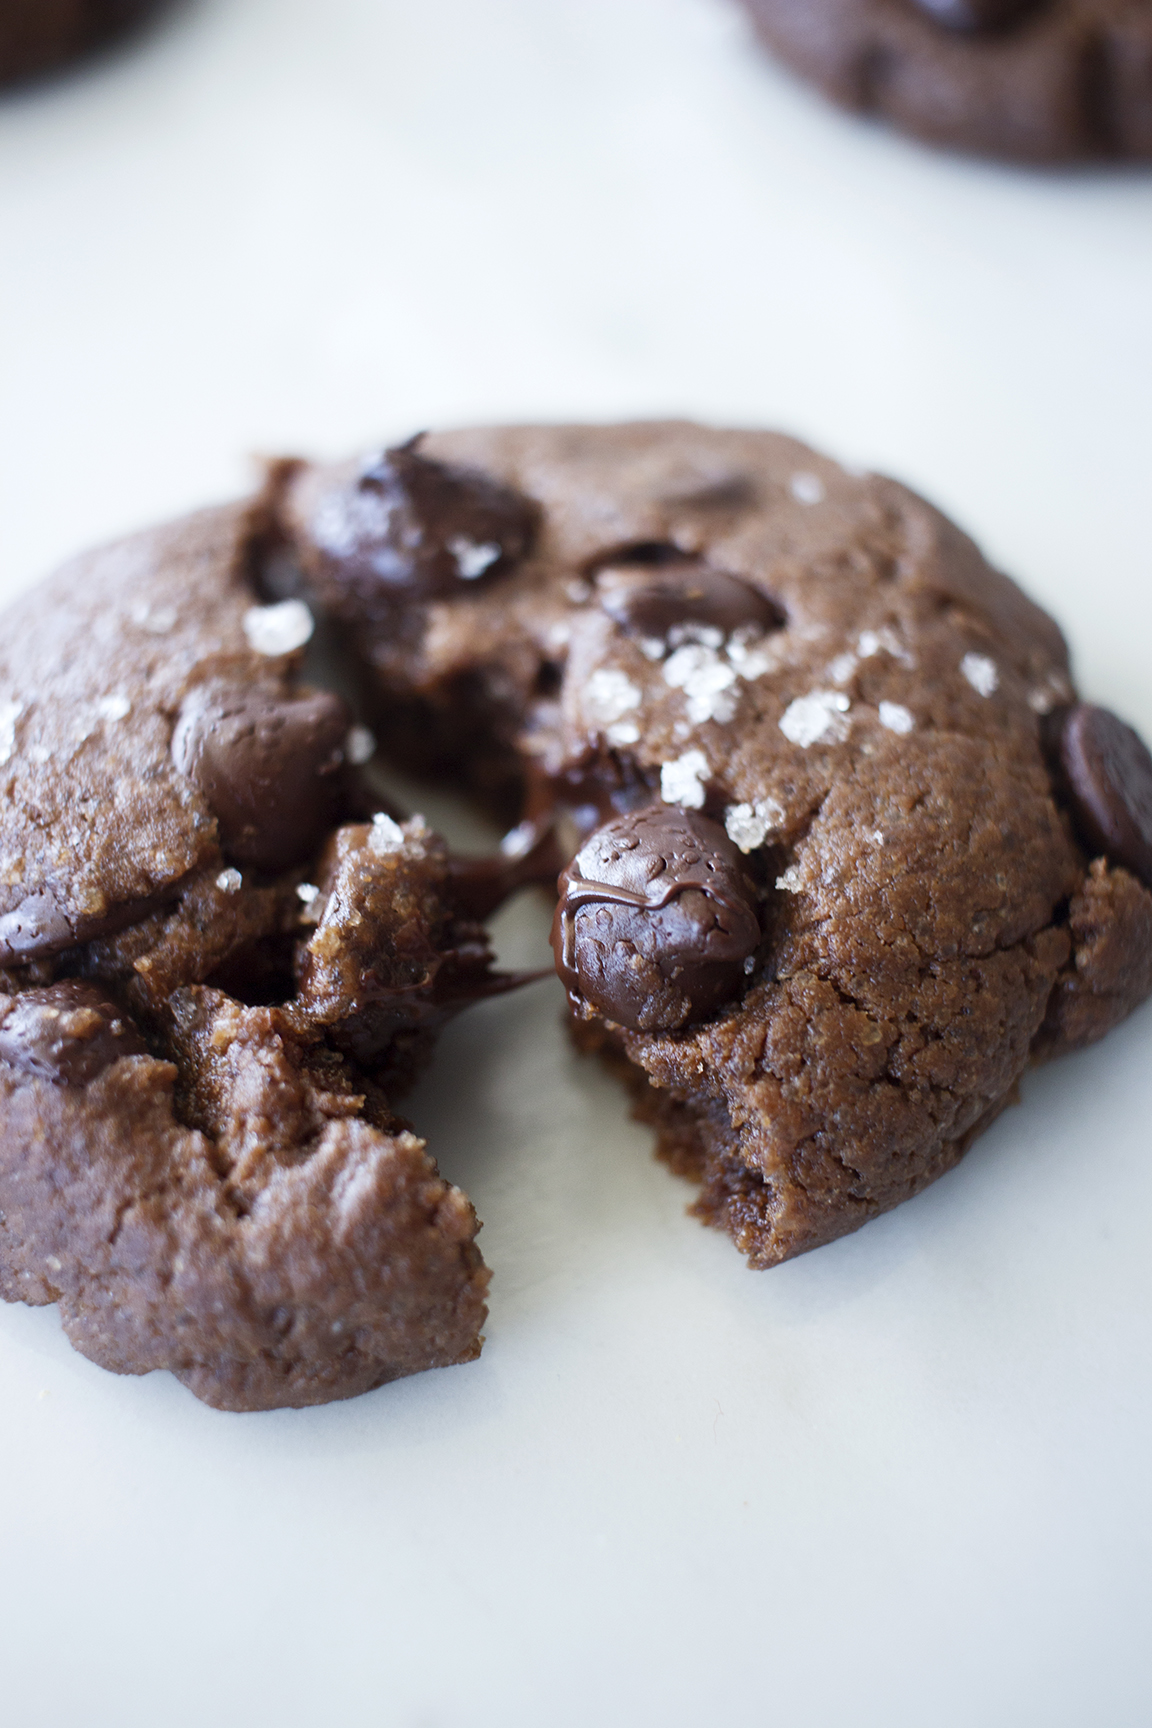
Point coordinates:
[[38, 35], [215, 974], [1031, 80], [722, 644]]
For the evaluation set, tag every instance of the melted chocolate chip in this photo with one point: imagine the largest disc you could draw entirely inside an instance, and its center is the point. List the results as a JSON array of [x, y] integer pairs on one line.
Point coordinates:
[[652, 602], [656, 919], [978, 14], [39, 925], [67, 1033], [413, 529], [1108, 776], [268, 765]]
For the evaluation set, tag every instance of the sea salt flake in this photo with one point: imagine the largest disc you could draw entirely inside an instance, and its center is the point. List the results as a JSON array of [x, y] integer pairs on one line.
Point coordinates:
[[748, 825], [386, 836], [609, 695], [885, 640], [474, 557], [278, 629], [750, 654], [842, 668], [983, 674], [789, 883], [682, 781], [307, 892], [623, 732], [10, 712], [156, 620], [897, 718], [706, 680], [359, 746], [818, 718], [229, 881], [807, 488], [115, 707]]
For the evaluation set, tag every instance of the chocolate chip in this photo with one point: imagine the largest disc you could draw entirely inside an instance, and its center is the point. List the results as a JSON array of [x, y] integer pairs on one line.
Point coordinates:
[[652, 603], [977, 14], [268, 765], [1108, 775], [67, 1033], [411, 528], [38, 925], [656, 919]]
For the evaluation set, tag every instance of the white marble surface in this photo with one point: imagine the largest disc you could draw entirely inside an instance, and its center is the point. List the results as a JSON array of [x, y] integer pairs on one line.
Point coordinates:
[[902, 1482]]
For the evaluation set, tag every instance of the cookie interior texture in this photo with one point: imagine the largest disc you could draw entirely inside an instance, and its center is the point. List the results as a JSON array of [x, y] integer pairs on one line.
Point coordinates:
[[37, 36], [817, 773], [1042, 81]]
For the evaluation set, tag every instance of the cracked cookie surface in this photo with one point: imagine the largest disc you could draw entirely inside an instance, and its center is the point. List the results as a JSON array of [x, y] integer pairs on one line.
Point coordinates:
[[216, 972], [1031, 80], [822, 670]]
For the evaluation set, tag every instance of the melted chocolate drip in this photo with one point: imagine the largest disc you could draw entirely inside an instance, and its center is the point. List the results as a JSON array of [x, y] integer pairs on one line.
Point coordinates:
[[656, 920]]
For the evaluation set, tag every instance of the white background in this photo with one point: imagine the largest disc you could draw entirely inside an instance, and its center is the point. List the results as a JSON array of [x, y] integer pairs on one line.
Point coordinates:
[[903, 1481]]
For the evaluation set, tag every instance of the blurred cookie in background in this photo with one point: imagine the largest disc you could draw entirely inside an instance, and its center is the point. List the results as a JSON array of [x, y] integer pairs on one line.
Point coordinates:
[[1027, 80], [37, 36]]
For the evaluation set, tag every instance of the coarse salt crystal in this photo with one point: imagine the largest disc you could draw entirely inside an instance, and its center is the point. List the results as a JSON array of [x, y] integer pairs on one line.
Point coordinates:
[[983, 674], [609, 694], [706, 680], [807, 488], [473, 557], [359, 746], [278, 629], [115, 707], [386, 836], [682, 781], [748, 825], [10, 712], [896, 718], [818, 718], [229, 881]]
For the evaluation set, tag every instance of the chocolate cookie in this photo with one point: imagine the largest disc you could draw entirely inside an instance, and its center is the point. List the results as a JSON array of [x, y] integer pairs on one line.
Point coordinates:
[[38, 35], [218, 965], [845, 850], [1033, 80]]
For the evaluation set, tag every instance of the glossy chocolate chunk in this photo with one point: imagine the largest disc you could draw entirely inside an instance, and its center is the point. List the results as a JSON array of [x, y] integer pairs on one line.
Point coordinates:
[[1108, 773], [37, 925], [67, 1033], [410, 528], [656, 919], [978, 14], [268, 766], [653, 602]]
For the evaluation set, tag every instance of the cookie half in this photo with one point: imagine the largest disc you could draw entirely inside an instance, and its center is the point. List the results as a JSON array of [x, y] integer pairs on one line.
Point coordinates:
[[843, 852], [1028, 80], [220, 962]]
